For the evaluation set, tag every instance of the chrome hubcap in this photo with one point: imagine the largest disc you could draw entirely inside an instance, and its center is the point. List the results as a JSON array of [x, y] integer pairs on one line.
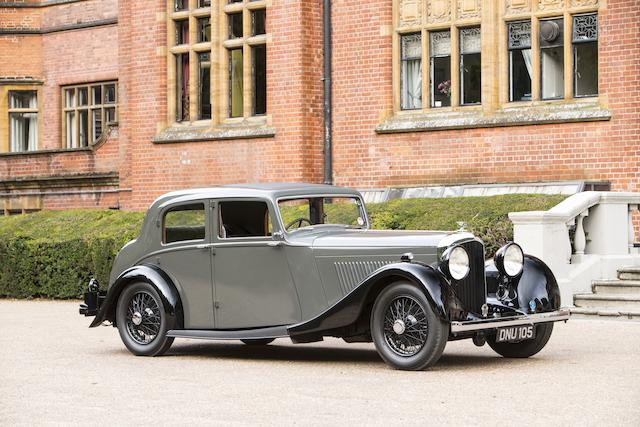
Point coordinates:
[[398, 327], [143, 318], [136, 318]]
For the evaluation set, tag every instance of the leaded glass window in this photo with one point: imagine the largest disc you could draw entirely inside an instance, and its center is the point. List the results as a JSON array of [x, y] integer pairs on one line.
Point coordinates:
[[411, 71], [470, 66], [440, 68], [520, 61], [585, 55]]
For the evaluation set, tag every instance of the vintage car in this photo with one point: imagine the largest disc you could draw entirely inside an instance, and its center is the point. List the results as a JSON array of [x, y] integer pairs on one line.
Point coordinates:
[[259, 262]]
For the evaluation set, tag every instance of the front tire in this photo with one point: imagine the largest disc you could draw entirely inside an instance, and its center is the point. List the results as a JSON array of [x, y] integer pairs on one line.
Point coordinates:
[[406, 331], [523, 349], [141, 320]]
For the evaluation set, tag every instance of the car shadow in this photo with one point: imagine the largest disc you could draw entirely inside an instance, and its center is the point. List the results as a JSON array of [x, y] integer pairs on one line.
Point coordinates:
[[324, 354]]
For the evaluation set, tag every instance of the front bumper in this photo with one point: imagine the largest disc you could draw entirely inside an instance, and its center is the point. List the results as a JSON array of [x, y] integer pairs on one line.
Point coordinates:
[[458, 327], [93, 299]]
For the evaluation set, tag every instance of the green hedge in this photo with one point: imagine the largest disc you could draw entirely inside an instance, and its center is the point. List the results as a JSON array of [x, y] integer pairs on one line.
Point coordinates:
[[53, 254]]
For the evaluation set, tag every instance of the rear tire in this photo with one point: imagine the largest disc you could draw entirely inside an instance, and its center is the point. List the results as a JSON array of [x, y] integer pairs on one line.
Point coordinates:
[[523, 349], [141, 320], [259, 341], [406, 331]]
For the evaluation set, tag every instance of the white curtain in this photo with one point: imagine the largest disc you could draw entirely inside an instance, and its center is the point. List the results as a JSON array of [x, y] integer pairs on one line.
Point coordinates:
[[412, 84], [526, 54], [23, 127]]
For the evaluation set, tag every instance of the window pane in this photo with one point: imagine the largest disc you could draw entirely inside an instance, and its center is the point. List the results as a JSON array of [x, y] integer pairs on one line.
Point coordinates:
[[83, 96], [23, 131], [204, 85], [182, 87], [259, 54], [184, 223], [70, 98], [182, 32], [96, 124], [83, 128], [440, 68], [71, 129], [110, 94], [586, 69], [552, 73], [470, 66], [23, 99], [204, 3], [258, 18], [235, 25], [520, 75], [520, 62], [110, 115], [204, 30], [552, 58], [411, 71], [236, 97], [180, 5], [96, 96], [244, 219]]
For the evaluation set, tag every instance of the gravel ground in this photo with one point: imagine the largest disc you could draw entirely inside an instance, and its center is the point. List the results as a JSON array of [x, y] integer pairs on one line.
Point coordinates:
[[54, 370]]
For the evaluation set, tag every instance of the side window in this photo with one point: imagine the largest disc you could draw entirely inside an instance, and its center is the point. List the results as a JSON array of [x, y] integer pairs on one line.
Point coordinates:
[[244, 219], [182, 223]]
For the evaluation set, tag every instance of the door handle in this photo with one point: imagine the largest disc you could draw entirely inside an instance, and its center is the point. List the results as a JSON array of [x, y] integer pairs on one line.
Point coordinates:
[[205, 246]]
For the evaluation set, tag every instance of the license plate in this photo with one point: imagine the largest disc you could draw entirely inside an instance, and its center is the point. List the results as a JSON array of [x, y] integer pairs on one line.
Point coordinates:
[[516, 333]]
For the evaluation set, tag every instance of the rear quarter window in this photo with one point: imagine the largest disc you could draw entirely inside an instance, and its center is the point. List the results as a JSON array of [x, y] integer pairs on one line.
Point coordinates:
[[184, 223]]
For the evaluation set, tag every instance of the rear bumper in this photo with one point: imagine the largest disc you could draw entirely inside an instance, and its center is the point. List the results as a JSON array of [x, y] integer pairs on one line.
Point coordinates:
[[494, 323], [93, 299]]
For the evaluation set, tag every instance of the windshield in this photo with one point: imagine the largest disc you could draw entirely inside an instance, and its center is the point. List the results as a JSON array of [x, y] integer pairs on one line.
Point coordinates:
[[310, 211]]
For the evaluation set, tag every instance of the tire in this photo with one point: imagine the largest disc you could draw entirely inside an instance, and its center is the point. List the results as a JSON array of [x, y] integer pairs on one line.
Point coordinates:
[[523, 349], [258, 342], [421, 336], [140, 302]]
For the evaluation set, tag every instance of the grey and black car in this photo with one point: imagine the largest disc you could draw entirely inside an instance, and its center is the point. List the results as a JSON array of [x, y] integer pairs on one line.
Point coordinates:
[[265, 261]]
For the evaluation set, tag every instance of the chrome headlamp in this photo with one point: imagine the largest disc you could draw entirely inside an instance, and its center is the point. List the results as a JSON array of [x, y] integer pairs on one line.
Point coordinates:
[[456, 261], [510, 259]]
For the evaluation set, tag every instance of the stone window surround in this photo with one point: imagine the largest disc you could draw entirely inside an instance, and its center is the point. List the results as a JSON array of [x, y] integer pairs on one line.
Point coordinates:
[[495, 110], [220, 126]]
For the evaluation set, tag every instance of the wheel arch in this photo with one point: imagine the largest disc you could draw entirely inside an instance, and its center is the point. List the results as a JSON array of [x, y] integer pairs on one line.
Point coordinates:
[[358, 303], [155, 277]]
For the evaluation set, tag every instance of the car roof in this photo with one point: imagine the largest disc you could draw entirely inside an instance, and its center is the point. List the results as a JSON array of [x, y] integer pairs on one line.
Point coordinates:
[[259, 190]]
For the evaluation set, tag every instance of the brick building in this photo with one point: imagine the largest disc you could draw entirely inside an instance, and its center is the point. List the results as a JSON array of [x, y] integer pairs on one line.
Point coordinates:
[[107, 103]]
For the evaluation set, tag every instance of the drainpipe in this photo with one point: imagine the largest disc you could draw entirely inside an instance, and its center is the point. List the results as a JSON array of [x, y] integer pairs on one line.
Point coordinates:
[[326, 80]]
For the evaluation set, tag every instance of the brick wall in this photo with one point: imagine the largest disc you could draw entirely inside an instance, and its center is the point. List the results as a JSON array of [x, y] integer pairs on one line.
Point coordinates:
[[578, 151]]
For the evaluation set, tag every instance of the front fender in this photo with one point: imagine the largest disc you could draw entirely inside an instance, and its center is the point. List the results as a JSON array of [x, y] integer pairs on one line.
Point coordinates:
[[538, 282], [155, 277], [346, 311]]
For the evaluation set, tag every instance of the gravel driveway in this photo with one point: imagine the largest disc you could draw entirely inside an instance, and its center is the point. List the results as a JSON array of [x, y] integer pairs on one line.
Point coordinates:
[[54, 370]]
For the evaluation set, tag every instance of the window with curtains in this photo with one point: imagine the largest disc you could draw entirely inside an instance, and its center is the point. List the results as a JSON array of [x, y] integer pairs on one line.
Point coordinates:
[[516, 51], [230, 64], [23, 120], [87, 110], [411, 71]]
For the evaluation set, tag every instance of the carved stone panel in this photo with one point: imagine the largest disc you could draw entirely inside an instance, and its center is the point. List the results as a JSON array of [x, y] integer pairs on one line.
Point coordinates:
[[468, 9], [410, 13], [438, 11], [550, 4], [515, 7], [582, 3]]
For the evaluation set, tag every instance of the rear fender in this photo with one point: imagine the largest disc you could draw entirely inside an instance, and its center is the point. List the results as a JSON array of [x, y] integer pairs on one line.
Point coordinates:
[[155, 277], [347, 311]]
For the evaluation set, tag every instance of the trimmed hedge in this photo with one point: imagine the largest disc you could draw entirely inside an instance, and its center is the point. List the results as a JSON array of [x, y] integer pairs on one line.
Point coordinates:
[[53, 254]]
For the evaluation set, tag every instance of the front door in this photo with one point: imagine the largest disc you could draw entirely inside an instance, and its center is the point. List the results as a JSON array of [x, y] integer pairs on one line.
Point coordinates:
[[253, 286]]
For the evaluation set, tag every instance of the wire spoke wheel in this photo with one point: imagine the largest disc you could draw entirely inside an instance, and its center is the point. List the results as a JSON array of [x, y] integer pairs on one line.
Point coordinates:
[[405, 326], [143, 318]]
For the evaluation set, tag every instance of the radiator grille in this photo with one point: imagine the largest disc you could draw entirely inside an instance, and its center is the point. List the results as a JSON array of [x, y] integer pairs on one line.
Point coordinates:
[[472, 290]]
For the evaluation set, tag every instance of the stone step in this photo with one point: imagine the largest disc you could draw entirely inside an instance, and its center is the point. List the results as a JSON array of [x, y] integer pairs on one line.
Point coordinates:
[[602, 313], [619, 302], [629, 273], [616, 287]]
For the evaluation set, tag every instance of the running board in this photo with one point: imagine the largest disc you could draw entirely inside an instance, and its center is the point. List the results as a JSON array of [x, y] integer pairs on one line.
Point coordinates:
[[238, 334]]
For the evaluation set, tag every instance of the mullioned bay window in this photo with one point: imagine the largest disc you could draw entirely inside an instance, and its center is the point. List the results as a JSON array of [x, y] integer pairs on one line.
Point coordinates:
[[217, 61], [536, 54], [87, 110], [23, 120]]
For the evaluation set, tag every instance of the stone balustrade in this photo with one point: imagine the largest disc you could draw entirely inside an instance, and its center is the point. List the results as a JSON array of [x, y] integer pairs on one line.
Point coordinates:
[[586, 237]]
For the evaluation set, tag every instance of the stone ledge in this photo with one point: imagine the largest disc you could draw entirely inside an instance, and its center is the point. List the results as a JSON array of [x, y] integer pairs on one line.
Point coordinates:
[[87, 150], [177, 134], [509, 116]]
